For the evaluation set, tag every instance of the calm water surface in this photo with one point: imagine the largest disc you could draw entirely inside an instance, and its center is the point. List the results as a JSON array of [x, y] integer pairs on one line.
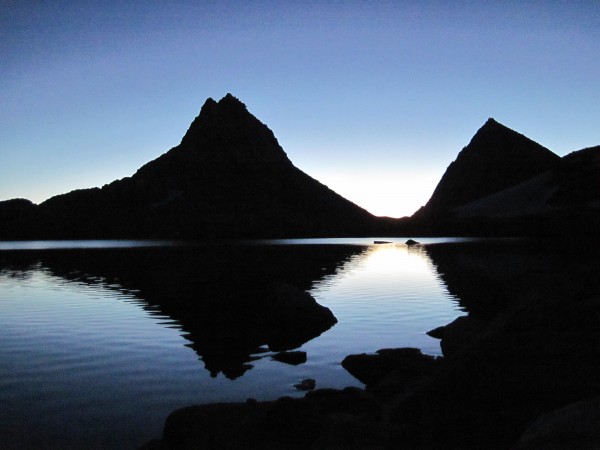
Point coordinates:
[[92, 355]]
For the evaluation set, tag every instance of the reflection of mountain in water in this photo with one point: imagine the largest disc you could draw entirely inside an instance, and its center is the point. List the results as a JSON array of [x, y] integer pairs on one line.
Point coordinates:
[[227, 299], [222, 296], [530, 344], [487, 276]]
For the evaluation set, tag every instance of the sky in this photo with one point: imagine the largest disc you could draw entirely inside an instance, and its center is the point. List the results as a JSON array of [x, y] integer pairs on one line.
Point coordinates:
[[372, 98]]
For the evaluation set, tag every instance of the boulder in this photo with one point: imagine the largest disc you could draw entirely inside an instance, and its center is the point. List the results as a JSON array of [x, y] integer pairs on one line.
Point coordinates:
[[459, 334], [319, 420], [402, 364]]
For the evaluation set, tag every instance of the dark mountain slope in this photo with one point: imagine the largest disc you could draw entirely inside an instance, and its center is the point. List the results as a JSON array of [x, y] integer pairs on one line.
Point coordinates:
[[229, 177], [573, 183], [562, 201], [495, 159]]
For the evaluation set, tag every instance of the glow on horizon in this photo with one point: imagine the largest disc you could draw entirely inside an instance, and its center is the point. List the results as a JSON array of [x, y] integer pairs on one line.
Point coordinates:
[[388, 193]]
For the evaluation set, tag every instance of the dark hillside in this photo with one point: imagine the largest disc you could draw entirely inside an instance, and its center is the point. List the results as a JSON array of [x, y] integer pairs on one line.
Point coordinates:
[[495, 159], [229, 177]]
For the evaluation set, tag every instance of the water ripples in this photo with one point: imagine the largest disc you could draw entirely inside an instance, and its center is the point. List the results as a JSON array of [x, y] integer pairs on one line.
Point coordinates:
[[92, 353]]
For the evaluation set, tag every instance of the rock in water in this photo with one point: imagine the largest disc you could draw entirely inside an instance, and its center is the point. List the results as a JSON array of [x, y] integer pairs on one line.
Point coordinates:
[[292, 358], [307, 384]]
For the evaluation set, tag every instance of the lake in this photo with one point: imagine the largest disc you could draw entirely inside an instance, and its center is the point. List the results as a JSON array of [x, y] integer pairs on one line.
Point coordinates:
[[101, 340]]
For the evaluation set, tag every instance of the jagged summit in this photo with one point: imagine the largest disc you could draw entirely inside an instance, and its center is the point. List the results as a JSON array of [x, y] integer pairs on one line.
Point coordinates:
[[229, 103], [226, 128], [495, 159], [224, 139], [213, 111]]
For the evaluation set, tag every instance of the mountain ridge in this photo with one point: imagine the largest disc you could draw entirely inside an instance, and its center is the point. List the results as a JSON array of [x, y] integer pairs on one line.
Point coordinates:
[[228, 177], [495, 159]]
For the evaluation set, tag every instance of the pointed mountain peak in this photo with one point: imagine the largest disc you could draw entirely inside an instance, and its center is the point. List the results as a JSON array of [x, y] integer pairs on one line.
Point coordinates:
[[494, 129], [227, 112], [226, 133], [494, 138], [209, 103], [492, 125], [495, 159], [229, 103]]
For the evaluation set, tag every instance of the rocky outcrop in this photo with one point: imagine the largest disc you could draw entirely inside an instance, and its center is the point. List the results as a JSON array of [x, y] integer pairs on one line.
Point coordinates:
[[458, 334], [400, 366], [322, 419]]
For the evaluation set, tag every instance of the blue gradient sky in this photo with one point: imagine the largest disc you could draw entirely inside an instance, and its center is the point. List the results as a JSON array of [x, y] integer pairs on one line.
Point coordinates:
[[374, 99]]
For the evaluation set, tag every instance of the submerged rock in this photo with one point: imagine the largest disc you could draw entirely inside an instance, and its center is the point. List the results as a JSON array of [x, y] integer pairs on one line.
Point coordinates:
[[308, 384]]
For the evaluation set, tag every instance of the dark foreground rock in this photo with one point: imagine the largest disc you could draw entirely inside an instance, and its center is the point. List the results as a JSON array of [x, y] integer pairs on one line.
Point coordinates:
[[576, 426], [322, 418], [526, 378], [390, 369]]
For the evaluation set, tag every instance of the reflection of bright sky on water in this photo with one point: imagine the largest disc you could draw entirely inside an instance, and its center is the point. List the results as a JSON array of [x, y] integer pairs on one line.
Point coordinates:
[[388, 296]]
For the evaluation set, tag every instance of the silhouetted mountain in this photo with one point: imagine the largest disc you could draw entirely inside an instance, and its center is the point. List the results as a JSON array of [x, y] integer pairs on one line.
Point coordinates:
[[229, 177], [573, 183], [15, 214], [495, 159], [563, 200], [503, 184]]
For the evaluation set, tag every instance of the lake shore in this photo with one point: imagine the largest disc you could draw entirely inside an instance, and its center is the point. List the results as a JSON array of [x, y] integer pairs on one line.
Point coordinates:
[[523, 376]]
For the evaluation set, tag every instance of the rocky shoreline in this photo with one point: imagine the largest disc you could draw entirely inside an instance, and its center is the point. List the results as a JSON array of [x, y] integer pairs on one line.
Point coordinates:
[[526, 379], [524, 374]]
